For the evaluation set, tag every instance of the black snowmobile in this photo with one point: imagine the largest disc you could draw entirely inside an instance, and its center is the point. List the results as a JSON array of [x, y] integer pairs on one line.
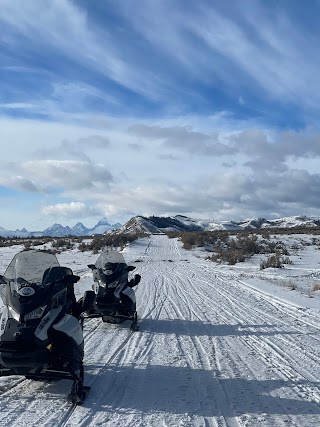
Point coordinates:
[[41, 334], [115, 299]]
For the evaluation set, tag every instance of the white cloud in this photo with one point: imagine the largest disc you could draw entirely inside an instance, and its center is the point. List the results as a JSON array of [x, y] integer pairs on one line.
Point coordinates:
[[71, 210], [23, 184], [183, 138], [255, 175], [53, 175]]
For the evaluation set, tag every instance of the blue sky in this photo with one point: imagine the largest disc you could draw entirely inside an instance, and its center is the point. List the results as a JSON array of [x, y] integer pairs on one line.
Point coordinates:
[[195, 107]]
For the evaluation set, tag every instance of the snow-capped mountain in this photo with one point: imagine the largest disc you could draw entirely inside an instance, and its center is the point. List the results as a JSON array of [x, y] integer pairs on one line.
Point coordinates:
[[58, 230], [102, 226], [80, 229]]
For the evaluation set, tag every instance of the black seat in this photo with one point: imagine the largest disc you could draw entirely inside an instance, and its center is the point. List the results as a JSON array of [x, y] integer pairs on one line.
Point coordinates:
[[52, 274], [67, 271]]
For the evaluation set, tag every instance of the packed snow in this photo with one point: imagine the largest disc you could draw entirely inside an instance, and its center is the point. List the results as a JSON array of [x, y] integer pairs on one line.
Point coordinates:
[[218, 346]]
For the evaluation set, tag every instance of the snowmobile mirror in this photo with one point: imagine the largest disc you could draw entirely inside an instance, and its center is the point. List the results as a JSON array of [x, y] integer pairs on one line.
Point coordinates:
[[88, 300], [92, 266], [131, 267]]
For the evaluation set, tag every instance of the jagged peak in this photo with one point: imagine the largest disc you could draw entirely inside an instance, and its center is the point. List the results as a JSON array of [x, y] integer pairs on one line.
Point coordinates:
[[103, 221]]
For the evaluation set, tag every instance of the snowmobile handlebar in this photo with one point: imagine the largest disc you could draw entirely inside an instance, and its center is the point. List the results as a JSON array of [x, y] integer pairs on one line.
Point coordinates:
[[135, 281]]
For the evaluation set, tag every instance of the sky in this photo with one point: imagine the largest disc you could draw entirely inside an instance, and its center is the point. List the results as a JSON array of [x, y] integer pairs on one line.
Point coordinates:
[[113, 109]]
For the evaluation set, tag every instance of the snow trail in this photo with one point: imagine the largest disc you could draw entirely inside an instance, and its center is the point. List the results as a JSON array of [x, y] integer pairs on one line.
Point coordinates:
[[211, 351]]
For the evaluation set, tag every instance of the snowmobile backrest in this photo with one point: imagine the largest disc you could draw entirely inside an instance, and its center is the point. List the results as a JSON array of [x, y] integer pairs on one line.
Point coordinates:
[[69, 277], [67, 271], [52, 274]]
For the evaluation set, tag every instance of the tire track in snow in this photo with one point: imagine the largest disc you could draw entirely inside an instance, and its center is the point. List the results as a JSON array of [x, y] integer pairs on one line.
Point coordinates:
[[192, 348], [314, 392], [79, 413]]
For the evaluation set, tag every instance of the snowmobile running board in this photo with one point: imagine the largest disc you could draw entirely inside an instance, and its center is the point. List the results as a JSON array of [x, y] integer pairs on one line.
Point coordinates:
[[114, 320], [50, 375], [78, 391]]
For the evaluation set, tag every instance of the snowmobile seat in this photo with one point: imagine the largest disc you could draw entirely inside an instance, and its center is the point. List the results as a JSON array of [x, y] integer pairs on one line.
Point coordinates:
[[67, 271]]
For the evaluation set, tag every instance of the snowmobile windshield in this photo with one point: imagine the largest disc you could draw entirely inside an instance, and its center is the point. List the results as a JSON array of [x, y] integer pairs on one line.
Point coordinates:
[[32, 269], [108, 258], [34, 281], [110, 266]]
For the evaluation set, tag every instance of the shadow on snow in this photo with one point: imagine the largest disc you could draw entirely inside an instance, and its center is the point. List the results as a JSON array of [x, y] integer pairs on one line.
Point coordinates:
[[198, 328], [181, 390]]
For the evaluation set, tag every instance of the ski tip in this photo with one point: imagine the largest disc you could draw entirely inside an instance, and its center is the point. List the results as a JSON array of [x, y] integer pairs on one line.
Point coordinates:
[[78, 400]]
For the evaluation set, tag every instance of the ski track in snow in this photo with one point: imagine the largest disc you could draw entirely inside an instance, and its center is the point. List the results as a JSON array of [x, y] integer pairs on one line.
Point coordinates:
[[211, 352]]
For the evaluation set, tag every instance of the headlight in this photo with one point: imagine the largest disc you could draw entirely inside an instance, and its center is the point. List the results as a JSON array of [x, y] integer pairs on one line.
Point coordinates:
[[35, 314]]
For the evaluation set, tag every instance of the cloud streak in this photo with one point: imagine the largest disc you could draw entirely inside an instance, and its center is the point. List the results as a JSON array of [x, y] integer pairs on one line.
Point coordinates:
[[205, 56]]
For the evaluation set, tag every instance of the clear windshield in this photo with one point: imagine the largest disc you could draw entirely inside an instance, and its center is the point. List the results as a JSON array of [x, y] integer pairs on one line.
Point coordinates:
[[33, 268], [110, 267], [109, 256]]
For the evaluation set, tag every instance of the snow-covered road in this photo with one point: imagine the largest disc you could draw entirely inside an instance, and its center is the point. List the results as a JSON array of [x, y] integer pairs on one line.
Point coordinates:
[[212, 351]]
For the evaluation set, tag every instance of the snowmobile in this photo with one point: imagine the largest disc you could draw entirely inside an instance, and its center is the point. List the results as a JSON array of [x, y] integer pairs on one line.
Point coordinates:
[[41, 322], [115, 299]]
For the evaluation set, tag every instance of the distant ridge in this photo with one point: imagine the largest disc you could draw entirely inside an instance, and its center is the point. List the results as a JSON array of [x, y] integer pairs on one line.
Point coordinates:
[[157, 224], [180, 223]]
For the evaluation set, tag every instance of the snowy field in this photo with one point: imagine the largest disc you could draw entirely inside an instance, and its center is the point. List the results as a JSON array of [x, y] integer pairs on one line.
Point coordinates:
[[219, 346]]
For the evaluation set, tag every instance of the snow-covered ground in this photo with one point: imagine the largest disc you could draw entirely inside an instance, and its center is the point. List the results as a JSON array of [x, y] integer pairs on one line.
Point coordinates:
[[218, 346]]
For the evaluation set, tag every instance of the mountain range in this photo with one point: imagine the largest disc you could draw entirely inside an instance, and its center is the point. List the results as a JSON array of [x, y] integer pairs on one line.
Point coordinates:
[[155, 224], [58, 230]]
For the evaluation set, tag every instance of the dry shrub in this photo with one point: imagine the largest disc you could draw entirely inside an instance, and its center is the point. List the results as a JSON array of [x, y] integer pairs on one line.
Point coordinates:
[[292, 286], [274, 261], [316, 287]]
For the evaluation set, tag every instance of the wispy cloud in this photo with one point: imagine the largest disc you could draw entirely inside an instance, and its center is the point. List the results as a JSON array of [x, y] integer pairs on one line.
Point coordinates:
[[65, 27], [202, 57], [245, 49]]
